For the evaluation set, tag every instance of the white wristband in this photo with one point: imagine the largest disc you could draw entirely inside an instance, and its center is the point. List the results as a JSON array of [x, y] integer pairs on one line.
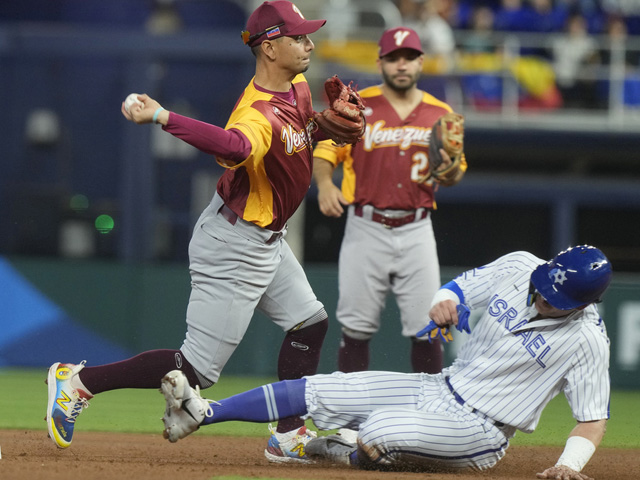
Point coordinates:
[[444, 294], [577, 452]]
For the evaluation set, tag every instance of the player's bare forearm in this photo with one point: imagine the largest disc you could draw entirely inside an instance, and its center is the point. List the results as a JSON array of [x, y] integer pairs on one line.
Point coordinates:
[[331, 201], [592, 431], [330, 198], [322, 171]]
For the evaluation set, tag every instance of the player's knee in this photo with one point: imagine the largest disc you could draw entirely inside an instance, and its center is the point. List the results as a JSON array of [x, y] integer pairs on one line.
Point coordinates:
[[357, 335], [371, 448], [320, 318], [310, 334]]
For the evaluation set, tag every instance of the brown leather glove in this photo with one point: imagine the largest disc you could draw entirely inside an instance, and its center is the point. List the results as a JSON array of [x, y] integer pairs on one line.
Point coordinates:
[[343, 122]]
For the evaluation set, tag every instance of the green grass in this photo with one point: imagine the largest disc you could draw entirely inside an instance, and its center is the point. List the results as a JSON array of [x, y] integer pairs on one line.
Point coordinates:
[[139, 411], [128, 410], [557, 422]]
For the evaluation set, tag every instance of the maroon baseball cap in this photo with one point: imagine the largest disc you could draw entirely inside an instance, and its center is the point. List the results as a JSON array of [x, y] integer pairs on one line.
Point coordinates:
[[397, 38], [276, 19]]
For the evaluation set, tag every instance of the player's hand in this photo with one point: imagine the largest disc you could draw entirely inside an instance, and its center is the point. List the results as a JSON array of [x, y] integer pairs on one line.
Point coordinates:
[[141, 114], [562, 472], [331, 200], [446, 161], [461, 322], [444, 313]]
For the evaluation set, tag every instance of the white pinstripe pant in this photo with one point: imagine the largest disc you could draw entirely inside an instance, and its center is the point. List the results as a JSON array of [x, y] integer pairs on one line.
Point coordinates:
[[406, 419]]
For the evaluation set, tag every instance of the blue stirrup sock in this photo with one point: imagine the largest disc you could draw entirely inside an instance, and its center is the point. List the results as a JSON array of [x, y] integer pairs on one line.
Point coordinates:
[[263, 404]]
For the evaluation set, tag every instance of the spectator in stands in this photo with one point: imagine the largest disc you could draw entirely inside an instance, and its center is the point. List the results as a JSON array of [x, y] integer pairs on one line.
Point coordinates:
[[544, 17], [481, 62], [547, 17], [618, 50], [455, 14], [436, 36], [164, 18], [618, 33], [512, 16], [590, 9], [573, 53], [408, 10], [628, 9], [480, 37]]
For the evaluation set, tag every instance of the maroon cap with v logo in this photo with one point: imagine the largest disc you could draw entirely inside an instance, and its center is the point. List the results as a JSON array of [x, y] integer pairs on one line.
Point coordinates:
[[397, 38], [275, 19]]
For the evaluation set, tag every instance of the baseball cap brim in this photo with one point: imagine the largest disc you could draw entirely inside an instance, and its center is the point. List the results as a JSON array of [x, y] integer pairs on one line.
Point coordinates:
[[306, 28], [387, 52]]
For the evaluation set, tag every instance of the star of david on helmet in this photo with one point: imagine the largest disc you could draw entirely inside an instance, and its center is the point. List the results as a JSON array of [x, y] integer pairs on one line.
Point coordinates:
[[559, 276], [574, 278]]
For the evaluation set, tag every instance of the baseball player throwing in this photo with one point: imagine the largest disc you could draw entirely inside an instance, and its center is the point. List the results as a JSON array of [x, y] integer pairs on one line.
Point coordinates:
[[540, 334], [388, 243], [238, 259]]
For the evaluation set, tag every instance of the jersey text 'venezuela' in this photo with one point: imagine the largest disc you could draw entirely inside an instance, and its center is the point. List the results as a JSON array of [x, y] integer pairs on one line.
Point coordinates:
[[385, 168], [269, 185]]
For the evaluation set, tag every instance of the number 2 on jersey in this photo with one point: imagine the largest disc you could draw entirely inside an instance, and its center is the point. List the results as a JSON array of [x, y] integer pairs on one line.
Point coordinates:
[[419, 171]]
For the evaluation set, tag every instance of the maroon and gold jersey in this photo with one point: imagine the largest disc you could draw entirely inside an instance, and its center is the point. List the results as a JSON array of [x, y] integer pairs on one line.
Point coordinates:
[[269, 185], [385, 168]]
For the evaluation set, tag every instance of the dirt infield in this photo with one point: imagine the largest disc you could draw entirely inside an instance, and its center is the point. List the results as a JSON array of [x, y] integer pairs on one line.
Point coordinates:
[[30, 455]]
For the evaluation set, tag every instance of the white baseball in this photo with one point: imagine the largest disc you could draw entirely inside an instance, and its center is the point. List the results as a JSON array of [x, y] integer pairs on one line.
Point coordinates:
[[131, 100]]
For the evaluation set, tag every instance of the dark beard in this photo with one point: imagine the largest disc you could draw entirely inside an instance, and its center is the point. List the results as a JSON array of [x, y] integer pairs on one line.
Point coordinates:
[[396, 88]]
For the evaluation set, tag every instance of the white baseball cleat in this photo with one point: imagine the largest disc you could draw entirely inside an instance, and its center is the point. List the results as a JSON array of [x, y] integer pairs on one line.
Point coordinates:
[[332, 448], [185, 409], [348, 435], [289, 447]]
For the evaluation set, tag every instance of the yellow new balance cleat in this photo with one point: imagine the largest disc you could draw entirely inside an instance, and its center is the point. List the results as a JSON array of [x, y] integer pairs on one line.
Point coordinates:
[[65, 402]]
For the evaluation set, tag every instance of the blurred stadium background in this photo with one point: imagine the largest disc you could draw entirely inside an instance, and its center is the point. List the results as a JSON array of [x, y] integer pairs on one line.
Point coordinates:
[[97, 212]]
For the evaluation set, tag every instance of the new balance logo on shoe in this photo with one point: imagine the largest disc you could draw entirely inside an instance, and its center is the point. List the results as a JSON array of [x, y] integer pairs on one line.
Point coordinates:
[[289, 447], [65, 402]]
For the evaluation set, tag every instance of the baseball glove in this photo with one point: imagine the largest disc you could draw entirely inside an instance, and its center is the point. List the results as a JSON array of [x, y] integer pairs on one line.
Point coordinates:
[[343, 122], [447, 133]]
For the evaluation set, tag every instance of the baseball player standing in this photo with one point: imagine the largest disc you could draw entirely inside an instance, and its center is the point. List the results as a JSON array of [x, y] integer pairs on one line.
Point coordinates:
[[539, 334], [388, 243], [239, 261]]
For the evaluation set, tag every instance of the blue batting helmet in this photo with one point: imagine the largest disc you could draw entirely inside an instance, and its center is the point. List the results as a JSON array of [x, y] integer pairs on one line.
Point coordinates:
[[575, 277]]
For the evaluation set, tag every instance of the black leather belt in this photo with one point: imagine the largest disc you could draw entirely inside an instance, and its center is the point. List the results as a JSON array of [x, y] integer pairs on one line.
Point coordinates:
[[232, 217], [460, 400], [391, 222]]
